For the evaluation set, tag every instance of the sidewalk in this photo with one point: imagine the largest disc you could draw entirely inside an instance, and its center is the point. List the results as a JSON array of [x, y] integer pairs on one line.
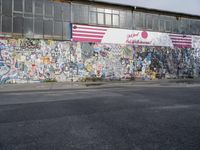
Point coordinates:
[[88, 85]]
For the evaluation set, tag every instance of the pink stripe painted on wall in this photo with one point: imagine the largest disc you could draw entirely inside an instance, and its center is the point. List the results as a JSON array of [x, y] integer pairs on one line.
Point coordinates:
[[86, 40]]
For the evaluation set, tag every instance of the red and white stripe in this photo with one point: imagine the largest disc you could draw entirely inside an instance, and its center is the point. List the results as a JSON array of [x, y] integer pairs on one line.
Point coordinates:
[[85, 33], [181, 41]]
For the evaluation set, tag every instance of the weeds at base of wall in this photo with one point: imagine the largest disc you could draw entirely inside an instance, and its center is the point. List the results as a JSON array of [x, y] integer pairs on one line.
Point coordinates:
[[50, 80], [93, 79], [97, 79]]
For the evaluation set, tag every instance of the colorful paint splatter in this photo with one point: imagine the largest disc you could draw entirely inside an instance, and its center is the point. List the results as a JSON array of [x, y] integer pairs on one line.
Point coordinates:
[[25, 60]]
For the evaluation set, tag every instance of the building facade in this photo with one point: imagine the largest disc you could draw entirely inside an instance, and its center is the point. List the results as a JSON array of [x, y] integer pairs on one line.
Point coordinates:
[[42, 40]]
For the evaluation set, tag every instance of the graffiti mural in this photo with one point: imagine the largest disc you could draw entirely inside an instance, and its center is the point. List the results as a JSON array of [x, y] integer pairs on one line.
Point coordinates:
[[27, 60], [165, 62]]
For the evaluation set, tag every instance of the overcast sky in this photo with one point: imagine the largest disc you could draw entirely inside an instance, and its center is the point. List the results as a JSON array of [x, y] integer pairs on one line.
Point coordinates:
[[183, 6]]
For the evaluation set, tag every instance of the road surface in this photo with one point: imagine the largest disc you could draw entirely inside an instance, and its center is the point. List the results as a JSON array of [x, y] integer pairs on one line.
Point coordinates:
[[112, 118]]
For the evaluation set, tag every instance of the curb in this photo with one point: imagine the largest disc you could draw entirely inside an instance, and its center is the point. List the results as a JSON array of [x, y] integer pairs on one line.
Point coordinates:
[[89, 85]]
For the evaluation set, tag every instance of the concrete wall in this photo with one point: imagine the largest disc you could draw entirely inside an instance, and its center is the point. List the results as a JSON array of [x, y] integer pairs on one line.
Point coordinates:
[[25, 60]]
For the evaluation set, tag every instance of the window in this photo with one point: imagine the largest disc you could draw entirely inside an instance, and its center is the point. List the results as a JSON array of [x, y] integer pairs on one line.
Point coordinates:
[[66, 31], [168, 26], [115, 18], [155, 23], [139, 20], [17, 24], [126, 19], [66, 12], [38, 26], [58, 28], [198, 27], [0, 6], [58, 12], [175, 26], [149, 21], [39, 7], [100, 18], [48, 27], [6, 24], [185, 26], [195, 27], [7, 7], [28, 6], [18, 5], [0, 16], [108, 19], [80, 13], [93, 15], [48, 9], [28, 27], [103, 16], [0, 23], [162, 25]]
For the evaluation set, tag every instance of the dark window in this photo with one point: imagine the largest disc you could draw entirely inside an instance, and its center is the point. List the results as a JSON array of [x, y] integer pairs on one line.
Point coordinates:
[[38, 26], [18, 6], [162, 25], [175, 26], [76, 13], [66, 12], [0, 6], [58, 28], [58, 12], [48, 9], [84, 11], [48, 27], [6, 24], [139, 20], [149, 21], [93, 15], [7, 7], [80, 13], [168, 26], [185, 26], [126, 19], [155, 23], [17, 24], [28, 6], [28, 26], [0, 23], [39, 7], [196, 27], [66, 30]]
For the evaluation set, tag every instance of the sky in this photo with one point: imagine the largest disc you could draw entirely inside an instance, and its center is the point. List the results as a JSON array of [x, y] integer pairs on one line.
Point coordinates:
[[181, 6]]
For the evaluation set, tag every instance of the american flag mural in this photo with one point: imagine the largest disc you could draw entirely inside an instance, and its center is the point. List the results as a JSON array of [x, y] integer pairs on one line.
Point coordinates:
[[85, 33], [181, 41], [96, 34]]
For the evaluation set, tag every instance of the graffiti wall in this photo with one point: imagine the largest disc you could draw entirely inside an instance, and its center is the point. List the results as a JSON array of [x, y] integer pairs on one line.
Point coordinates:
[[26, 60]]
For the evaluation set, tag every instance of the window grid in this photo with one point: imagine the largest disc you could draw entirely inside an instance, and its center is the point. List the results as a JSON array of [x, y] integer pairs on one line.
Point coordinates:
[[111, 17]]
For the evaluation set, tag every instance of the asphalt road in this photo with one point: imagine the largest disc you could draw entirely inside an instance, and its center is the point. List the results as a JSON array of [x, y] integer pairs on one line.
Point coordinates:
[[118, 118]]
